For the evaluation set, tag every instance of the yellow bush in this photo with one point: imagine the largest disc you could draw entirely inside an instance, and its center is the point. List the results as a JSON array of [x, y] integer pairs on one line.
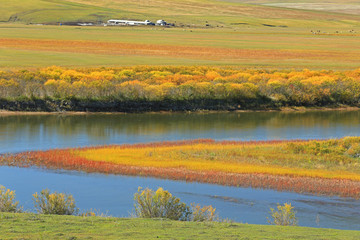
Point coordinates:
[[7, 200], [159, 204], [203, 214], [54, 203], [284, 215]]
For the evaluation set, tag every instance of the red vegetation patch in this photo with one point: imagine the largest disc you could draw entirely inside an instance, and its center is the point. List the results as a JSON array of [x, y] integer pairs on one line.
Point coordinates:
[[64, 159]]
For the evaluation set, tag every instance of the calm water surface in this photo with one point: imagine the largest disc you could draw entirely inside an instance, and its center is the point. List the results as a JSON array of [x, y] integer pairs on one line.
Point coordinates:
[[114, 193], [23, 133]]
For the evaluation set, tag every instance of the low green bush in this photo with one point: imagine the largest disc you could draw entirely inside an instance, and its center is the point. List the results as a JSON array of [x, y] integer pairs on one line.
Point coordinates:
[[7, 200], [203, 214], [160, 204], [284, 215], [54, 203]]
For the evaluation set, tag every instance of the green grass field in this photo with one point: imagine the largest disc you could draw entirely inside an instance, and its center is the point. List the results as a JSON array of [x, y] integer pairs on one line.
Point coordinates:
[[242, 34], [247, 46], [33, 226]]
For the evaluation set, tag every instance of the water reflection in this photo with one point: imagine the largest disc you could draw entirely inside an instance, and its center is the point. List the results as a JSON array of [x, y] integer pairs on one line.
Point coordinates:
[[32, 132]]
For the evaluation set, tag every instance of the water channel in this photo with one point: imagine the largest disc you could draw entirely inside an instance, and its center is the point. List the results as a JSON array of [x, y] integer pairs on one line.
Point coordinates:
[[113, 194]]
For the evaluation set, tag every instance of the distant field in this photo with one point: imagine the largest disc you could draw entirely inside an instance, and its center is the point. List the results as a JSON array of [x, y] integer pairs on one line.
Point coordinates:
[[247, 46], [337, 6], [329, 7], [240, 33]]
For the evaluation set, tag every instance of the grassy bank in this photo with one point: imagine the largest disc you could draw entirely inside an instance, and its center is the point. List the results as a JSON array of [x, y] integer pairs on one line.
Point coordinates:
[[33, 226]]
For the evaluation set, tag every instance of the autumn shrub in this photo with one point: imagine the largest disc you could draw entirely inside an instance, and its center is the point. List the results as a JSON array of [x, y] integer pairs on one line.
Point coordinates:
[[54, 203], [160, 204], [7, 200], [284, 215], [156, 83], [203, 214]]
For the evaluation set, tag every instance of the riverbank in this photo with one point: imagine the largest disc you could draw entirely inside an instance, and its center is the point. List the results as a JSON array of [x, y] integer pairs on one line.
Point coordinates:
[[78, 107], [131, 106], [34, 226]]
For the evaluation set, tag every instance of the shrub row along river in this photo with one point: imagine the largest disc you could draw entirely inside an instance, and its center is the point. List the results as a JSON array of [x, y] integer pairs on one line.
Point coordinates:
[[114, 194]]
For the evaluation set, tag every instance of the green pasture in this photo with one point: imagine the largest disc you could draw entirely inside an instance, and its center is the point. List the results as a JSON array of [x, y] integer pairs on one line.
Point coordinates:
[[33, 226], [234, 24], [15, 59], [241, 38], [257, 38]]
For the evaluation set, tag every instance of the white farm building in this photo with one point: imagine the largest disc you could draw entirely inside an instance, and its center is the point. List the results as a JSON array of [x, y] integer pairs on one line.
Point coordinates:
[[113, 22]]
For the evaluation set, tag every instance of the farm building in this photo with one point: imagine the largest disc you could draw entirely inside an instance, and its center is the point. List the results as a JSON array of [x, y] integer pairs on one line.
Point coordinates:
[[113, 22]]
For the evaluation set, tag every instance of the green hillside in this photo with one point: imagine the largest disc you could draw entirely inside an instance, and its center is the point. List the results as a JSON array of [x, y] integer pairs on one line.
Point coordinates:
[[187, 12], [51, 11]]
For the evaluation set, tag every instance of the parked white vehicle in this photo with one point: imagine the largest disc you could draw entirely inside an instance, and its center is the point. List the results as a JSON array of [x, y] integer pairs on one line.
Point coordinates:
[[161, 23]]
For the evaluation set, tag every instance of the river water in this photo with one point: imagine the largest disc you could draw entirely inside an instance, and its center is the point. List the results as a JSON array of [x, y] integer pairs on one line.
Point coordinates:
[[113, 194]]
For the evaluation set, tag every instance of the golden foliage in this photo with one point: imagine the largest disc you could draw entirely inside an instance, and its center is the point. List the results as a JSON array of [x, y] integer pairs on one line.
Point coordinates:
[[275, 88]]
